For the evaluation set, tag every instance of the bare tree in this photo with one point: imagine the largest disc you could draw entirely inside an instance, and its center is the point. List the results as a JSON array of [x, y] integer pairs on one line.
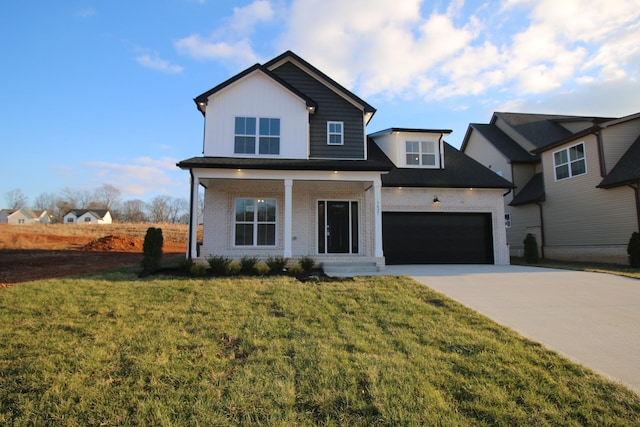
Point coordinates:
[[106, 197], [16, 199], [133, 211], [49, 202], [158, 209], [177, 209]]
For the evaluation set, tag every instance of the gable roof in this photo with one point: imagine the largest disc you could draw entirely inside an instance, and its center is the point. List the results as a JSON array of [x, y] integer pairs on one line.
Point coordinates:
[[532, 192], [98, 213], [33, 213], [202, 99], [502, 142], [289, 56], [627, 170], [460, 171]]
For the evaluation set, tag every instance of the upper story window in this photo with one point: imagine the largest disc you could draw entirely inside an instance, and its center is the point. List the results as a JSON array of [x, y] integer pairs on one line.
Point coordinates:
[[421, 153], [265, 130], [570, 162], [335, 133]]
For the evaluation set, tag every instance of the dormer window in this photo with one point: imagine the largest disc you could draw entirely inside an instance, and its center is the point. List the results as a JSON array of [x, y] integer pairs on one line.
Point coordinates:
[[421, 153], [335, 134], [267, 132]]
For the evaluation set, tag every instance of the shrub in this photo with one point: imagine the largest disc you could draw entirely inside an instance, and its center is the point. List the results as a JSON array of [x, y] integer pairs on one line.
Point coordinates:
[[198, 269], [234, 268], [277, 264], [152, 250], [307, 263], [531, 249], [248, 264], [633, 249], [262, 269], [295, 270], [185, 265], [218, 264]]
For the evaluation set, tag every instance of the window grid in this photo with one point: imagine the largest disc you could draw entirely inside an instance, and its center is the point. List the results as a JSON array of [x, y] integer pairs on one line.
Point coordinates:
[[420, 153], [335, 133], [255, 222], [570, 162], [265, 131]]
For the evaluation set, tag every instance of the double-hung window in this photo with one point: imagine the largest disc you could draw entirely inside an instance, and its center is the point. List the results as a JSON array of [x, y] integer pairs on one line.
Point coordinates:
[[420, 153], [570, 162], [248, 130], [255, 222], [335, 133]]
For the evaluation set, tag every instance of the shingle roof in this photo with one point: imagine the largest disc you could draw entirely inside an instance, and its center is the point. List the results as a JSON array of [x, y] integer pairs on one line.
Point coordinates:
[[503, 143], [532, 192], [627, 170], [538, 129], [98, 213], [460, 171], [377, 161]]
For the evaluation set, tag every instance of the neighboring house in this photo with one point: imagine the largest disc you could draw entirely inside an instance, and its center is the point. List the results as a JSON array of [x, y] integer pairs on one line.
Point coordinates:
[[24, 216], [87, 216], [288, 170], [576, 181]]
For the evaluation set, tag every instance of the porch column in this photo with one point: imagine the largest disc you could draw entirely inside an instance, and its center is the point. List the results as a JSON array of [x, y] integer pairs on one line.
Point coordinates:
[[288, 217], [377, 218], [193, 218]]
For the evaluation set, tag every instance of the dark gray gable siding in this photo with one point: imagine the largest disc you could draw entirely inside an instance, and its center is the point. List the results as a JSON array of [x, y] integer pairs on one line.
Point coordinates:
[[331, 107]]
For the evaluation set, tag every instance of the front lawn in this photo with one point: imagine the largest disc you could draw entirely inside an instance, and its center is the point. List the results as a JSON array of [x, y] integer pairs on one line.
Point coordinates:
[[112, 349]]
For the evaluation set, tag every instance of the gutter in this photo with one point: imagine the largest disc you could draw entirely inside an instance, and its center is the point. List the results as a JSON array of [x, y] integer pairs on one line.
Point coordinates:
[[542, 240]]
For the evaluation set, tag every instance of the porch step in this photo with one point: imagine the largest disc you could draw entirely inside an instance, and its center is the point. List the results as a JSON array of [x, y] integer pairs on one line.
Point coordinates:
[[346, 269]]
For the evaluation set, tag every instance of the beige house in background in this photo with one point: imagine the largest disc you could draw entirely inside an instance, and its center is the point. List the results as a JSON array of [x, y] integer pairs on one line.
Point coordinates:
[[576, 181], [24, 216]]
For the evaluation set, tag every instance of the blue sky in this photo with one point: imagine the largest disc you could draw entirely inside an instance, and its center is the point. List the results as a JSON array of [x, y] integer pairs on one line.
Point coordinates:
[[97, 91]]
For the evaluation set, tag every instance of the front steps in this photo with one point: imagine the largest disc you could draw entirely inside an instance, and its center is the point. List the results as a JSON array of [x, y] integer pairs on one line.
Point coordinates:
[[349, 269]]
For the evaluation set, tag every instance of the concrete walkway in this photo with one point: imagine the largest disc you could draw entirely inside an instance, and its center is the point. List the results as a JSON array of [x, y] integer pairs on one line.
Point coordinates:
[[592, 318]]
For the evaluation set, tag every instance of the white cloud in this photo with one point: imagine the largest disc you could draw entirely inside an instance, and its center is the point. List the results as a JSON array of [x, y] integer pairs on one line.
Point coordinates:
[[155, 63], [87, 12], [139, 177], [230, 42]]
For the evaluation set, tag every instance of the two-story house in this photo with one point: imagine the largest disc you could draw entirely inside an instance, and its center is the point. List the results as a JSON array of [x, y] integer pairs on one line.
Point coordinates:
[[576, 181], [289, 170]]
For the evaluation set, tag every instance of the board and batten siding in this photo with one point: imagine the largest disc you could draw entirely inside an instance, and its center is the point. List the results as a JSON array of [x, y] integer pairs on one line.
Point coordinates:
[[256, 96], [331, 107], [576, 213], [617, 140]]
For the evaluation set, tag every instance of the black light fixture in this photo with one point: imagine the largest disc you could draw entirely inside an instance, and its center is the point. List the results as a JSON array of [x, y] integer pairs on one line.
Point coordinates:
[[436, 200]]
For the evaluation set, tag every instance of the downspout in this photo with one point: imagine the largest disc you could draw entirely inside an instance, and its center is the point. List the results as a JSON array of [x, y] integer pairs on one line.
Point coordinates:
[[636, 187], [441, 147], [189, 250], [603, 166], [542, 240]]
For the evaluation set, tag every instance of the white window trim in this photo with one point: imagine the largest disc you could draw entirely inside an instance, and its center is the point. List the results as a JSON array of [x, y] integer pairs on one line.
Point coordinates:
[[257, 136], [329, 133], [255, 223], [584, 159], [437, 154]]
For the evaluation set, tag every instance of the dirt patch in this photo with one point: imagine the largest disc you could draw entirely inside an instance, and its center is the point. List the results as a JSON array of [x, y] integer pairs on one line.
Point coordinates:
[[27, 256]]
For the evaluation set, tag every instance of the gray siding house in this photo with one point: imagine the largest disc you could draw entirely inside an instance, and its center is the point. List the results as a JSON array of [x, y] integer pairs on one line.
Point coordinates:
[[576, 181]]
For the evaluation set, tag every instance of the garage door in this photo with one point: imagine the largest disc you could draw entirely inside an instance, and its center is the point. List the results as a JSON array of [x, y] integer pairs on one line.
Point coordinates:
[[437, 238]]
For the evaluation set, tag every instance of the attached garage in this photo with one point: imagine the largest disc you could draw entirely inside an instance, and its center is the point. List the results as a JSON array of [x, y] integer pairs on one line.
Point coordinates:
[[437, 238]]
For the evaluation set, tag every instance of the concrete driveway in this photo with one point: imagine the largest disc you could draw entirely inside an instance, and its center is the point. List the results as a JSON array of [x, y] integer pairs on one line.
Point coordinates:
[[592, 318]]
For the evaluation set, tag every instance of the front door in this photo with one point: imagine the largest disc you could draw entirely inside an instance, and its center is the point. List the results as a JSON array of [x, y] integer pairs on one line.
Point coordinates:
[[337, 227]]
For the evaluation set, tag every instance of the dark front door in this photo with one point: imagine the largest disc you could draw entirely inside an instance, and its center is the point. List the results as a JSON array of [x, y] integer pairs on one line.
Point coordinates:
[[337, 227]]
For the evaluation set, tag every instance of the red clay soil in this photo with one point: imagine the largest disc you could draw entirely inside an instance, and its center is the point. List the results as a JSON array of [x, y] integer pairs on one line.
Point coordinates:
[[83, 256]]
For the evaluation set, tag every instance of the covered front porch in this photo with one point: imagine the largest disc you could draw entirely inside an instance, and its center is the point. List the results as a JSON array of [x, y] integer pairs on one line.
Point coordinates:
[[332, 216]]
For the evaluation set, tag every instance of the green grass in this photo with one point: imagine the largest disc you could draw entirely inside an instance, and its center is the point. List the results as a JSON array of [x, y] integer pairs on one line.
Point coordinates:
[[112, 349], [594, 267]]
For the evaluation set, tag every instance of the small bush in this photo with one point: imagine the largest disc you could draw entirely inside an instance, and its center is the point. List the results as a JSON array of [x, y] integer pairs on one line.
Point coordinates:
[[234, 268], [531, 249], [262, 269], [198, 269], [277, 264], [248, 265], [152, 250], [633, 249], [295, 270], [307, 263], [219, 264], [185, 265]]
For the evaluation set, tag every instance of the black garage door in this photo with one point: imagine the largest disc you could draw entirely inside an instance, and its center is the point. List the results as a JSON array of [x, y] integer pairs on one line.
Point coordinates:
[[437, 238]]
